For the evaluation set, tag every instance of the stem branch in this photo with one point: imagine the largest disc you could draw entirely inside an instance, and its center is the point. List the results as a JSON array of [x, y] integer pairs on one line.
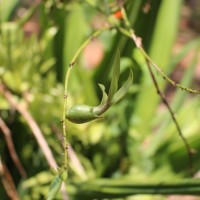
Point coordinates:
[[172, 116], [149, 61], [138, 42]]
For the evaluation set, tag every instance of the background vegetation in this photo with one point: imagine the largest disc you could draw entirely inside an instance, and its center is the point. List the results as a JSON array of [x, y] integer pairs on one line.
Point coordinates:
[[135, 152]]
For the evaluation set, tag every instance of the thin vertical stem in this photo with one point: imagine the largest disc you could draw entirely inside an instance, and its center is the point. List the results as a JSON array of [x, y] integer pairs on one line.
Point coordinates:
[[63, 117], [73, 61], [87, 41]]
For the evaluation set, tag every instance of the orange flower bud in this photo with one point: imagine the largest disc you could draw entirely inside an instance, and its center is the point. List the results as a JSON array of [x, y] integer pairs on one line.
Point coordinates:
[[118, 14]]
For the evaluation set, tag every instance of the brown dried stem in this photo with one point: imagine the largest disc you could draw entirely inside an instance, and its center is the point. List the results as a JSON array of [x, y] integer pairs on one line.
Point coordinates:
[[32, 124], [7, 134], [35, 129], [8, 182], [172, 116], [149, 61]]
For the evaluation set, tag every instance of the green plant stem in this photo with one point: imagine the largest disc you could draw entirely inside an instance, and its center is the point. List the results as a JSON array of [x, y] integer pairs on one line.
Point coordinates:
[[95, 34], [149, 61], [73, 61], [63, 117]]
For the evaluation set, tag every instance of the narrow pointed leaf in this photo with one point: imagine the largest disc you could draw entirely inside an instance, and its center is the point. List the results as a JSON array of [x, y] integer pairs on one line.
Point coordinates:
[[115, 77], [104, 97], [124, 89], [54, 187]]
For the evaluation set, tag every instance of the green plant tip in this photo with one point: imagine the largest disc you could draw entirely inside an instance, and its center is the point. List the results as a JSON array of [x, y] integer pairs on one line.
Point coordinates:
[[83, 113]]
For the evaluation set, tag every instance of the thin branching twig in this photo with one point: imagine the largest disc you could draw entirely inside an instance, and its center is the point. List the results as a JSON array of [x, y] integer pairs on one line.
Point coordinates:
[[138, 41], [189, 152], [149, 61]]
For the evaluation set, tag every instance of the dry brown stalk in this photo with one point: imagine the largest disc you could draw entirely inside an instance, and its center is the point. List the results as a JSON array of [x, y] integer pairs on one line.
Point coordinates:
[[7, 134], [35, 130], [32, 124], [8, 182]]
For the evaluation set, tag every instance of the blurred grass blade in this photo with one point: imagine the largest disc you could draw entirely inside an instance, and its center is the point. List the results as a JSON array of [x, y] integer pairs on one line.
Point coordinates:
[[185, 50], [29, 13], [160, 51], [6, 9], [100, 189], [187, 77], [76, 29], [179, 97]]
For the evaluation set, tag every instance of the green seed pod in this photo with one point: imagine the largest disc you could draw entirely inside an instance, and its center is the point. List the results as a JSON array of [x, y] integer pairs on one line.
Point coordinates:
[[81, 114]]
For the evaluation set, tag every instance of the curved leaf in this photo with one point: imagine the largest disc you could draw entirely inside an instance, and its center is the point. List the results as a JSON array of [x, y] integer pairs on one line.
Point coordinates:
[[115, 77], [104, 97], [54, 187], [124, 89]]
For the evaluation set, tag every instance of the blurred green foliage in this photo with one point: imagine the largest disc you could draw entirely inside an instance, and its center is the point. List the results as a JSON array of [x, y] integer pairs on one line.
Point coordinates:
[[137, 141]]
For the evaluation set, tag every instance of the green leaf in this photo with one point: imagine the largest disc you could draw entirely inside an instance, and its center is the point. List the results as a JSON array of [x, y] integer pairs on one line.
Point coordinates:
[[7, 8], [120, 188], [104, 97], [54, 187], [124, 89], [115, 78]]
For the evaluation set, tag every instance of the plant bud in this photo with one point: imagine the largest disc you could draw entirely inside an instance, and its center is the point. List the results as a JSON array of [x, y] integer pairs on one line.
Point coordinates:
[[81, 114]]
